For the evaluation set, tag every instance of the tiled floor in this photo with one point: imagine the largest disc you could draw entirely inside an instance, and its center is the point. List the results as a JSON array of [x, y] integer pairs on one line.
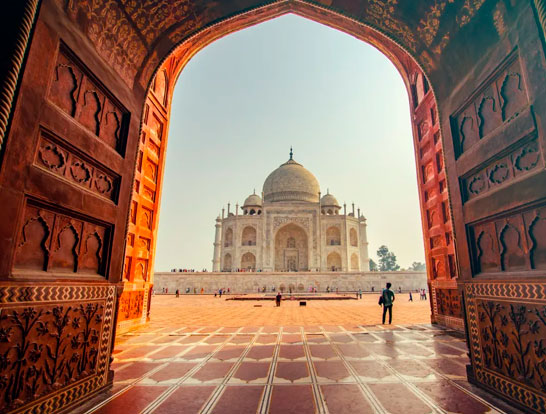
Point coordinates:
[[407, 369], [208, 311]]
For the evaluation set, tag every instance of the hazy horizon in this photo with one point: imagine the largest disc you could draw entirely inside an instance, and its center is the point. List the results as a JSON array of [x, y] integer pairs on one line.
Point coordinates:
[[245, 99]]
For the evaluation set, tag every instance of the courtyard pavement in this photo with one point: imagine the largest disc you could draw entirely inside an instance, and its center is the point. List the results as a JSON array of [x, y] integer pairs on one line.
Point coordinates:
[[207, 355]]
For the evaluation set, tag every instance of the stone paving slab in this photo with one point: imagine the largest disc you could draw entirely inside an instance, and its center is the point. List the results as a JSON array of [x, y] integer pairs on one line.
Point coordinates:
[[325, 368]]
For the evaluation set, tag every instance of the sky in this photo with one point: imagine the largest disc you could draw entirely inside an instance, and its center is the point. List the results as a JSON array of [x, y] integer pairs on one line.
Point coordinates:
[[240, 104]]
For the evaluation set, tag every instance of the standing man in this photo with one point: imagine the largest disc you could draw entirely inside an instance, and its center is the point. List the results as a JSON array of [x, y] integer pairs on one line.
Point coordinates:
[[388, 299], [278, 299]]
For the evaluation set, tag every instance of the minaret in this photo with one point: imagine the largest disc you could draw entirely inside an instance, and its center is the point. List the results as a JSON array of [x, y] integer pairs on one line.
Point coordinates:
[[217, 245], [363, 245]]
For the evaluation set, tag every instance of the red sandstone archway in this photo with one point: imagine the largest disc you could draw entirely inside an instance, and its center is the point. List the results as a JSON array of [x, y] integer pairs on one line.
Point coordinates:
[[78, 218], [433, 188]]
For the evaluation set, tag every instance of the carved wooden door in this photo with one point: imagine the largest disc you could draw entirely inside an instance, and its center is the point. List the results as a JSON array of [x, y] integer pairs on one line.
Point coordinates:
[[494, 124], [64, 185]]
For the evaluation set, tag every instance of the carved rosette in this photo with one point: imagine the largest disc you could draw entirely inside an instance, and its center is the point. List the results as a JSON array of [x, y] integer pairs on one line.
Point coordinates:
[[54, 344]]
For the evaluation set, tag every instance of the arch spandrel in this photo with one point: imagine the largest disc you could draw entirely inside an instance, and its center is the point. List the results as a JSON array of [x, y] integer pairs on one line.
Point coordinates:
[[151, 30]]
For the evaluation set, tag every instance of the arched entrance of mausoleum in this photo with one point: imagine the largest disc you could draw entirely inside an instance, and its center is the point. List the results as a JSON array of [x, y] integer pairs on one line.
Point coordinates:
[[86, 90], [291, 249]]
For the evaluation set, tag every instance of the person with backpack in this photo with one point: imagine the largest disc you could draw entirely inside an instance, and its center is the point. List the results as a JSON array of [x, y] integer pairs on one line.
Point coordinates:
[[386, 299]]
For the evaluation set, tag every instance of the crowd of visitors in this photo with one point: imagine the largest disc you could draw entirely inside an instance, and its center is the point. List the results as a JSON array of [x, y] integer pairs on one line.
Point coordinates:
[[188, 270]]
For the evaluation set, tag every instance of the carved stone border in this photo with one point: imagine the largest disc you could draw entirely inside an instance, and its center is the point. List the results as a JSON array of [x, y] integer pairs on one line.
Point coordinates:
[[516, 292], [540, 6], [9, 84], [26, 293]]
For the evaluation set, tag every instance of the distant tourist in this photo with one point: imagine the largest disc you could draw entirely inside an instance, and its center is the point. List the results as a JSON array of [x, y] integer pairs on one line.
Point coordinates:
[[360, 293], [278, 299], [177, 293], [410, 297], [424, 294], [202, 290], [220, 292], [399, 289], [373, 289], [386, 299]]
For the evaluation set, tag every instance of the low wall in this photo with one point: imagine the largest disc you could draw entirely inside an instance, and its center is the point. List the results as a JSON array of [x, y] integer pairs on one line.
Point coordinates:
[[250, 282]]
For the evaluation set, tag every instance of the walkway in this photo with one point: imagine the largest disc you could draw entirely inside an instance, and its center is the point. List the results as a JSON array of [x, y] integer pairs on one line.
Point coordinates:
[[409, 369]]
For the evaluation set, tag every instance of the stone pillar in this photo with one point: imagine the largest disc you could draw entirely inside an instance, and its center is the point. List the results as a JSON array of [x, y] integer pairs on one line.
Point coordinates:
[[217, 246], [364, 258]]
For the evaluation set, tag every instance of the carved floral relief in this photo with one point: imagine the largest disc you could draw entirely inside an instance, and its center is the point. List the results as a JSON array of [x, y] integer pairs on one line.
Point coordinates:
[[48, 348]]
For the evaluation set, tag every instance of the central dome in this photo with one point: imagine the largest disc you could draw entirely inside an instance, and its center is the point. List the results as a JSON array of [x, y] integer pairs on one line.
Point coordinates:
[[291, 182]]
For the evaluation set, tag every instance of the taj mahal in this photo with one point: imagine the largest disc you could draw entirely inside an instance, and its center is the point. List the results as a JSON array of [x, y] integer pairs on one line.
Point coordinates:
[[291, 228]]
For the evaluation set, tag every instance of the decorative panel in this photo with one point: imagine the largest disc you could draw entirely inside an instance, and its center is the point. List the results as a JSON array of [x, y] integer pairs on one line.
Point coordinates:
[[507, 326], [435, 211], [54, 344], [138, 267], [74, 90], [131, 304], [61, 242], [54, 156], [516, 242], [498, 100], [449, 302], [518, 163]]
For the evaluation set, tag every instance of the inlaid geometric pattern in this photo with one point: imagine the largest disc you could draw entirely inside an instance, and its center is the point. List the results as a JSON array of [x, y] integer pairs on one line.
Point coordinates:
[[418, 368]]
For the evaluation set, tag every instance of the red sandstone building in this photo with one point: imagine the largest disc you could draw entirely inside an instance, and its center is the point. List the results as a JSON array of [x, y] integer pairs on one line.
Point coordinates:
[[84, 116]]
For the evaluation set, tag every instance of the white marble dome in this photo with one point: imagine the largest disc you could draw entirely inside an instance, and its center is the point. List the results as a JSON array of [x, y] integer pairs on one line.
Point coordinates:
[[291, 182], [328, 200], [253, 200]]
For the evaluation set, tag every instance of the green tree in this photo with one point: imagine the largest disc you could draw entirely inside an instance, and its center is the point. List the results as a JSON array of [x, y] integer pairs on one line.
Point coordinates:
[[417, 267], [373, 266], [387, 260]]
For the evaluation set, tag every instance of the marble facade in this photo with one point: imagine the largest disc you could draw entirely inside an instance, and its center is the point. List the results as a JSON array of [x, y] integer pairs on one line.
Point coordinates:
[[291, 228]]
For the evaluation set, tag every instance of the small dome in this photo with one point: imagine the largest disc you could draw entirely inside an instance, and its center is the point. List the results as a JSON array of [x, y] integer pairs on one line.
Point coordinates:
[[329, 200], [253, 200], [291, 182]]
